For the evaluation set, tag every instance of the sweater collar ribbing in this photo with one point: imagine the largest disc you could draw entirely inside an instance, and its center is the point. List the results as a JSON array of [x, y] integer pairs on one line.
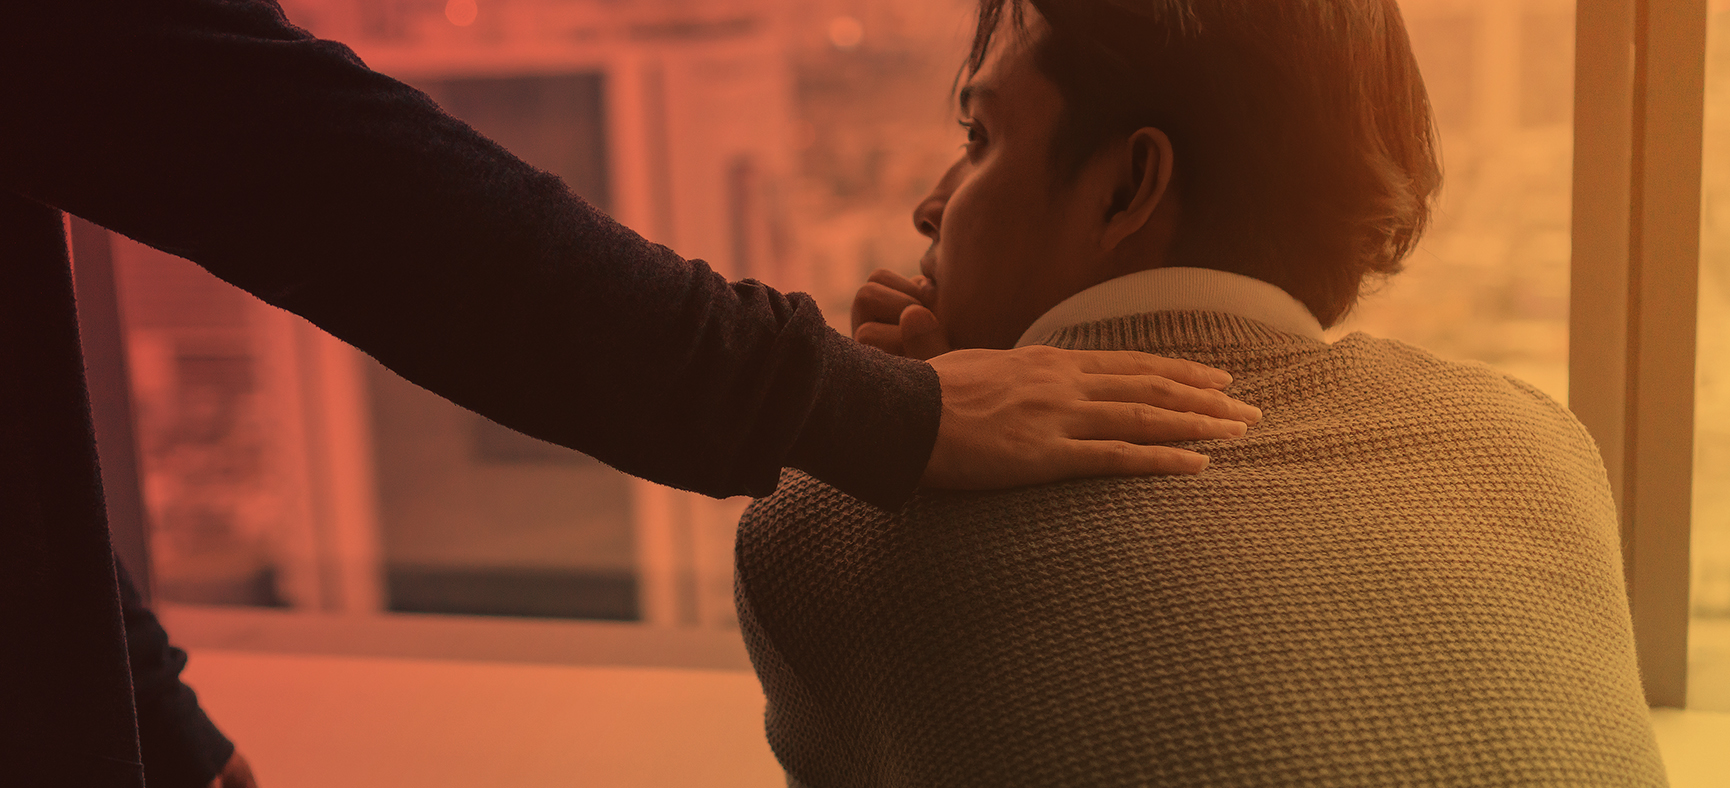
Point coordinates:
[[1178, 290]]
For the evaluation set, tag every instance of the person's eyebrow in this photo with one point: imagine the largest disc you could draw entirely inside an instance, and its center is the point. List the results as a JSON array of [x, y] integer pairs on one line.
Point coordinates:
[[969, 93]]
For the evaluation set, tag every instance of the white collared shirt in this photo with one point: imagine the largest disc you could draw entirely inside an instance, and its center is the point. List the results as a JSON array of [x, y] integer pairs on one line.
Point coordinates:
[[1178, 289]]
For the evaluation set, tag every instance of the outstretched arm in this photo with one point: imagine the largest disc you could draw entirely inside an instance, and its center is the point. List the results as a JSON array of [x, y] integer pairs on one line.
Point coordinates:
[[214, 130]]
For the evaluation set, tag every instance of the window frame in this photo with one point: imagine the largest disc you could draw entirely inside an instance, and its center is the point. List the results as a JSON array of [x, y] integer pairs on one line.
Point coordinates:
[[1639, 103], [677, 628]]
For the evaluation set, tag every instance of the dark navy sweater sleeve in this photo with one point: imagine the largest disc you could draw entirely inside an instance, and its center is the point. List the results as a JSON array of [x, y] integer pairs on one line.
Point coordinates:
[[215, 130], [181, 747]]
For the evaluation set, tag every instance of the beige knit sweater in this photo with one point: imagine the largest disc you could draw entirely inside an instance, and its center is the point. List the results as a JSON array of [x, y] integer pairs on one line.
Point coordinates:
[[1407, 574]]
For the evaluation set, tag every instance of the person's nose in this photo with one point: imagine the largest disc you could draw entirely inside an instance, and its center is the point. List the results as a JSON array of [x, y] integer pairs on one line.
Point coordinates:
[[928, 214]]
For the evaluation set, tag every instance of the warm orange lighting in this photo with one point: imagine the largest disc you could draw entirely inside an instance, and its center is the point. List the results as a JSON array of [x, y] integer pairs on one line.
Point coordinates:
[[461, 12], [845, 32]]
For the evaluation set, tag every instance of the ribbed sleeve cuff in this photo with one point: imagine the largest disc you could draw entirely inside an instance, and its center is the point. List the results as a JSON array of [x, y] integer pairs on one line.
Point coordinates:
[[873, 425]]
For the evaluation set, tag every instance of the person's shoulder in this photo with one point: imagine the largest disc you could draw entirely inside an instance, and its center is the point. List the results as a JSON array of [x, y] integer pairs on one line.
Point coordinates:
[[805, 513], [811, 514], [799, 492], [1471, 393], [1410, 366]]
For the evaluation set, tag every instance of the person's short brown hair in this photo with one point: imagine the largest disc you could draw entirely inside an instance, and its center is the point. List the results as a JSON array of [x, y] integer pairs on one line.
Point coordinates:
[[1305, 150]]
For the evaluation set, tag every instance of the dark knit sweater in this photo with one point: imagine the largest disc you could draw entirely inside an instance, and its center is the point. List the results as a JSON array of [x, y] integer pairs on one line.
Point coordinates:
[[215, 130], [1407, 574]]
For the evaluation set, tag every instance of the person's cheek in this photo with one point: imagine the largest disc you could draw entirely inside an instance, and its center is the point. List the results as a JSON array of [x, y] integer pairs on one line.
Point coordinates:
[[951, 275], [967, 261], [950, 285], [968, 302]]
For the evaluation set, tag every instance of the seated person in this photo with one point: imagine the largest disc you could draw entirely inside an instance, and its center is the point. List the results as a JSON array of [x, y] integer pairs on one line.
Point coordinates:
[[1407, 573]]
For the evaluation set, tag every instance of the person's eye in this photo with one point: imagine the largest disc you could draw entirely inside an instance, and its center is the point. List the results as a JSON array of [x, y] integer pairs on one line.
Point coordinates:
[[975, 134]]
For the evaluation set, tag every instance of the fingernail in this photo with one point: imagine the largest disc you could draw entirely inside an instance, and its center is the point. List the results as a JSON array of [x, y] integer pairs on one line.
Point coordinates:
[[1221, 377], [1239, 429], [1255, 415]]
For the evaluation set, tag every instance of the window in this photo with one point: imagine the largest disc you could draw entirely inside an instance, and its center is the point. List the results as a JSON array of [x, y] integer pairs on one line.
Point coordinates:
[[789, 142], [285, 470], [1490, 281], [475, 518], [1709, 627], [1636, 234]]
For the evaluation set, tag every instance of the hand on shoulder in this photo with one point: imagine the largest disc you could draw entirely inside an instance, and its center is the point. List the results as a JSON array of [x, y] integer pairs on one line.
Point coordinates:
[[1040, 414]]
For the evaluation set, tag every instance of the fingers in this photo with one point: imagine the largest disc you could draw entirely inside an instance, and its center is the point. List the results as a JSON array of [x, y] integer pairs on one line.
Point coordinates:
[[1018, 417], [1133, 422], [878, 303], [1128, 376], [884, 302], [921, 335], [927, 293], [917, 335], [1116, 458], [885, 293], [1134, 362], [1170, 395], [913, 288], [882, 336]]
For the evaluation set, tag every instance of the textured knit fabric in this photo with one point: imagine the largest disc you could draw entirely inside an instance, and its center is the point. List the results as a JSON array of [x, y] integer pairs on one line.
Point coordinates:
[[1177, 289], [1407, 574]]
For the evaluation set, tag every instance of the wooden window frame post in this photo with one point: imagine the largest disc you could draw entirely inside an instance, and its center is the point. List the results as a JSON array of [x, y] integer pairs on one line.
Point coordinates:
[[1639, 98]]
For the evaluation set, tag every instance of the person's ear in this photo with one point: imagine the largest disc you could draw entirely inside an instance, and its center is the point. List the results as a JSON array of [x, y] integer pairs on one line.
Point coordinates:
[[1142, 183]]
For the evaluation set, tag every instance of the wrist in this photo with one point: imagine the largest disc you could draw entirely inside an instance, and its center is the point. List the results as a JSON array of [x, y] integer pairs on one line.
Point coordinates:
[[871, 431]]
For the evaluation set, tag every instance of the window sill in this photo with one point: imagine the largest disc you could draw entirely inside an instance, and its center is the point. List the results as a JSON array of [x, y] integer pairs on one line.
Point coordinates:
[[334, 722], [464, 638]]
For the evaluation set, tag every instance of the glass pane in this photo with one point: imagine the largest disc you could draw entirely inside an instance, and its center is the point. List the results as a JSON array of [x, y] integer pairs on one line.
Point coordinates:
[[282, 469], [876, 129], [1490, 281], [473, 517], [1709, 633], [216, 489], [783, 141]]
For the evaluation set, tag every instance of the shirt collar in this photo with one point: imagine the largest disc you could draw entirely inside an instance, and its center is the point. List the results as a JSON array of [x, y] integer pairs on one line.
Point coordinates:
[[1178, 290]]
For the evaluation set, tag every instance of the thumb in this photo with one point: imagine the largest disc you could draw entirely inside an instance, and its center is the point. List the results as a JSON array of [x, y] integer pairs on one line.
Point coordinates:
[[922, 336]]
